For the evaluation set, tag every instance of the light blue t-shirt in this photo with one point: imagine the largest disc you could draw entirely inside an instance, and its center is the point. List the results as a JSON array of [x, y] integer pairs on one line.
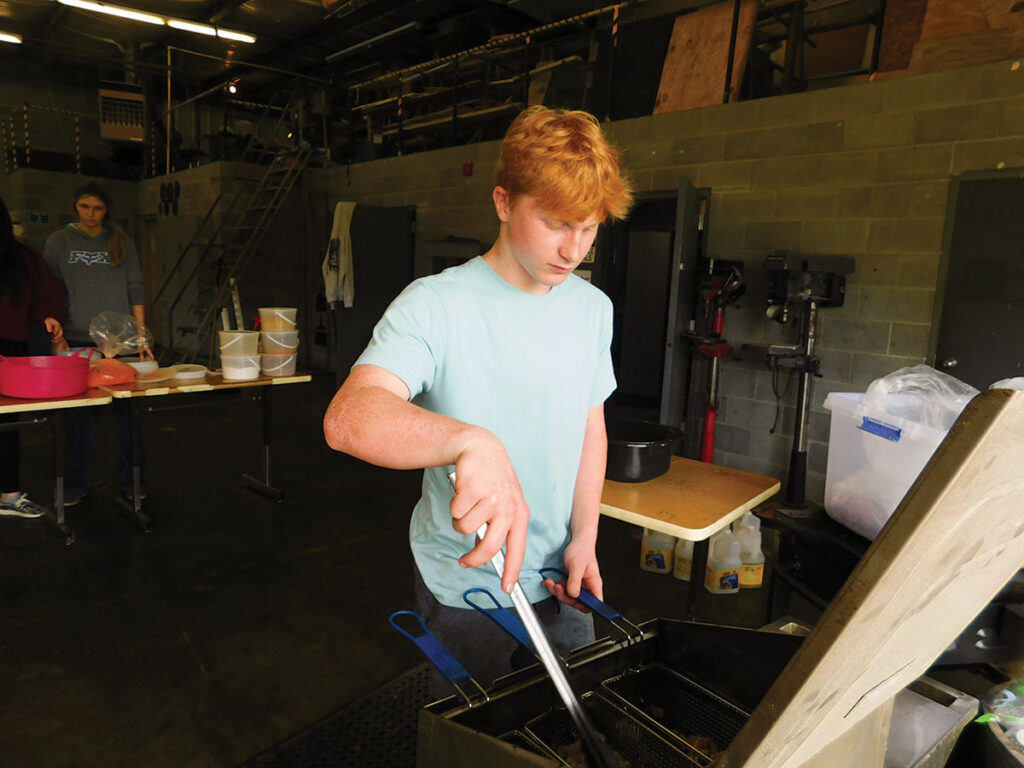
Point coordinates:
[[529, 369]]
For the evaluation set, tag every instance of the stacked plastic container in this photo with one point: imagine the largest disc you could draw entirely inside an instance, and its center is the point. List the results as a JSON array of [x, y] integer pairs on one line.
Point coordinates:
[[279, 340], [239, 355]]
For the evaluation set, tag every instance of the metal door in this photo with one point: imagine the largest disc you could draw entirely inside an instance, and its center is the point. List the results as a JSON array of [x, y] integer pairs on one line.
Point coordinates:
[[382, 262], [978, 322]]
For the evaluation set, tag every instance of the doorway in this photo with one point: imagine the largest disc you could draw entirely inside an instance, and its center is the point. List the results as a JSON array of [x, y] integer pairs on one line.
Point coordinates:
[[978, 321]]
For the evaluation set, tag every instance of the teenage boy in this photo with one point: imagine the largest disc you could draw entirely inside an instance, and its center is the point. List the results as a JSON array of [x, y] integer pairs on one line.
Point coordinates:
[[498, 369]]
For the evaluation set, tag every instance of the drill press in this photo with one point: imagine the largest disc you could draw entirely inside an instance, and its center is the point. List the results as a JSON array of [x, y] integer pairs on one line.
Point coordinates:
[[799, 285]]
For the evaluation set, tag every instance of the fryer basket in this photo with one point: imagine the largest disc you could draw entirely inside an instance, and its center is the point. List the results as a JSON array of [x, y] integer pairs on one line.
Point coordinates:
[[633, 740], [677, 708]]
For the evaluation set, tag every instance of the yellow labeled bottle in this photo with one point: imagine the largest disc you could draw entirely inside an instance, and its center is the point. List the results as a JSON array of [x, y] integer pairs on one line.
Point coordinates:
[[752, 571], [722, 575], [683, 565], [656, 551]]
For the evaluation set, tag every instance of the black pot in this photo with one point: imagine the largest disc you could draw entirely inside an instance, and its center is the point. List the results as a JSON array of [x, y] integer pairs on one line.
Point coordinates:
[[639, 450]]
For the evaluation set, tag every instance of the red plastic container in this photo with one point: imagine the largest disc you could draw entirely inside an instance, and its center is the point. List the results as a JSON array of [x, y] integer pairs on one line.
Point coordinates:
[[43, 376]]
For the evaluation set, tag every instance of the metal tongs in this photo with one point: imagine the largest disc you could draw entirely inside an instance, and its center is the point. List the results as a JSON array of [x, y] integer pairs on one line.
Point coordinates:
[[599, 754]]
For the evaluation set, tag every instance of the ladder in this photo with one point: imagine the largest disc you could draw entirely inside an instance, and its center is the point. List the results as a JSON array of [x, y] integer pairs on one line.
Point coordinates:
[[230, 233]]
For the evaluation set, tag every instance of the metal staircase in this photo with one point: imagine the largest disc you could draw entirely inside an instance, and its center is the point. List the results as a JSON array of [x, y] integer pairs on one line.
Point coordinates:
[[230, 234]]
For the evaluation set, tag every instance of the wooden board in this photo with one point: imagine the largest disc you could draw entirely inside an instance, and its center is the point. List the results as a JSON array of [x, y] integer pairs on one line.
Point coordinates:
[[901, 30], [88, 398], [209, 383], [698, 55], [953, 18], [954, 541], [964, 51], [691, 501]]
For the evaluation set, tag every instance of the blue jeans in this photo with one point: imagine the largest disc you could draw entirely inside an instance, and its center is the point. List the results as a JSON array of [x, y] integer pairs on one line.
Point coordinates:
[[81, 427], [487, 651]]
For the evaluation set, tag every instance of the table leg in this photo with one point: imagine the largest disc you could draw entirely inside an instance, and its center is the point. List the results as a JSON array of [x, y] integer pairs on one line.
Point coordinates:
[[700, 561], [132, 508], [59, 442], [263, 486]]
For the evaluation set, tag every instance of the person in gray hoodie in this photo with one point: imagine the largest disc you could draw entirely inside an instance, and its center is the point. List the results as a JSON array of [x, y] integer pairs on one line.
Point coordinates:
[[98, 266]]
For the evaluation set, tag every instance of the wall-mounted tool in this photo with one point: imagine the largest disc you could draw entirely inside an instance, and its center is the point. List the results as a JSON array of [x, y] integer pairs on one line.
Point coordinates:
[[798, 285], [722, 286]]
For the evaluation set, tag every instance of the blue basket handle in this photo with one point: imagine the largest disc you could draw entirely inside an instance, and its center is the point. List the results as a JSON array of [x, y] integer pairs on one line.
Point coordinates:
[[599, 607], [501, 616], [439, 656]]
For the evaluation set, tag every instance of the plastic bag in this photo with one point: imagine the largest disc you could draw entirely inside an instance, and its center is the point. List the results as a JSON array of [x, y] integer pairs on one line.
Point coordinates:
[[107, 372], [116, 333], [921, 394], [1005, 707], [1015, 383]]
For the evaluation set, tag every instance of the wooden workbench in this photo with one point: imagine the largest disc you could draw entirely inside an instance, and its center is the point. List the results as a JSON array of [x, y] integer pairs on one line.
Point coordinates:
[[693, 500]]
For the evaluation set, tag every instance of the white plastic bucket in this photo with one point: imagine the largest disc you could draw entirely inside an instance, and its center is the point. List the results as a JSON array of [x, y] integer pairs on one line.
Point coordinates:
[[280, 342], [278, 365], [276, 319], [239, 343], [240, 367]]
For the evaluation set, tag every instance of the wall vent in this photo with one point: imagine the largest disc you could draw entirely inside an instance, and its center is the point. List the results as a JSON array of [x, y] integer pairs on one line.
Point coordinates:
[[122, 112]]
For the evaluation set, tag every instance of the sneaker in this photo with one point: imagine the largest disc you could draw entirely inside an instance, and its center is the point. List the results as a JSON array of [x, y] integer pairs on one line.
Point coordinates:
[[21, 506], [73, 496]]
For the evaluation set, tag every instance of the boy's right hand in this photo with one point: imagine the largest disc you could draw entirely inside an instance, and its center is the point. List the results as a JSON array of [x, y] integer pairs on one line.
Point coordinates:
[[487, 491]]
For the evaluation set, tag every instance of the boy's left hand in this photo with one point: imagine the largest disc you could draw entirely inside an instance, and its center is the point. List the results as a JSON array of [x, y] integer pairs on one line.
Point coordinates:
[[581, 565]]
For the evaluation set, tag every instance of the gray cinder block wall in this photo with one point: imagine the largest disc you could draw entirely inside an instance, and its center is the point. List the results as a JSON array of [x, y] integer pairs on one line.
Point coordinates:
[[861, 170]]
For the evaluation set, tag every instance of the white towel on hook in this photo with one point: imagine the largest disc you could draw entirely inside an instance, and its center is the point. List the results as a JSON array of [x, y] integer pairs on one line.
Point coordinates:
[[339, 281]]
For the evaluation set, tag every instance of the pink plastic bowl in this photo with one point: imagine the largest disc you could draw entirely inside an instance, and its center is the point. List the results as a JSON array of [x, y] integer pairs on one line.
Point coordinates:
[[43, 376]]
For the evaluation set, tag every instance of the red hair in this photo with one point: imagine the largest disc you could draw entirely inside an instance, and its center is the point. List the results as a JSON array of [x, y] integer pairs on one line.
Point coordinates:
[[563, 159]]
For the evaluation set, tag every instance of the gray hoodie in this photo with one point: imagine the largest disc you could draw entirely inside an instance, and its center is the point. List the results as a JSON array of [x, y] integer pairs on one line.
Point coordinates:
[[91, 284]]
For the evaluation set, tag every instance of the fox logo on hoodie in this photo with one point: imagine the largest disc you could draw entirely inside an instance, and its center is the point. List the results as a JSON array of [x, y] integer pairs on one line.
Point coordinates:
[[89, 257]]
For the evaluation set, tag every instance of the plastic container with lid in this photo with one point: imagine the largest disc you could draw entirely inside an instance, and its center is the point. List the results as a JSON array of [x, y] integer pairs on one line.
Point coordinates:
[[280, 342], [238, 343], [275, 319], [874, 457], [278, 365], [240, 367]]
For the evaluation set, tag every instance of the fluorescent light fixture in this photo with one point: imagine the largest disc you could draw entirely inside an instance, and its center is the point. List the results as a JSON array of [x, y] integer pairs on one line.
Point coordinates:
[[7, 37], [149, 18], [114, 10], [191, 26], [241, 37]]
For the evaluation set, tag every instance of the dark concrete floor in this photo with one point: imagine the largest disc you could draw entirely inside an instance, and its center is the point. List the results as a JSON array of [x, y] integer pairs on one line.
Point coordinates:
[[237, 621]]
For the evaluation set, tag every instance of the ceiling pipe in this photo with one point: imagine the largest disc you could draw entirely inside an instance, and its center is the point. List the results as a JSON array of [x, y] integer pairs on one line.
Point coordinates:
[[496, 42], [371, 42]]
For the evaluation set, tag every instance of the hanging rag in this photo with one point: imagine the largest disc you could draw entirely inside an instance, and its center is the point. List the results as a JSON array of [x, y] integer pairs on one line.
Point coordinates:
[[339, 281]]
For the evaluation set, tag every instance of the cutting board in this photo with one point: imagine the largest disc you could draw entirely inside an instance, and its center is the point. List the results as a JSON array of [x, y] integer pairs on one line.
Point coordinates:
[[954, 541]]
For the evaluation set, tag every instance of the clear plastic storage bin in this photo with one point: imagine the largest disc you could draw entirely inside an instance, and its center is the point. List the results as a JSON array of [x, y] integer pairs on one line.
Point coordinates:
[[873, 459]]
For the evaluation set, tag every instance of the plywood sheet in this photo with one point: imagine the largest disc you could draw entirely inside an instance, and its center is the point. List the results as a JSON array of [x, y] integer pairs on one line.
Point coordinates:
[[964, 51], [698, 55], [953, 18], [954, 541], [901, 30]]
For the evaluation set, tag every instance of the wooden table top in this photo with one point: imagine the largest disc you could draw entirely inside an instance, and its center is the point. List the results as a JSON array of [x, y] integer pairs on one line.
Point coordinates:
[[208, 383], [87, 398], [693, 500]]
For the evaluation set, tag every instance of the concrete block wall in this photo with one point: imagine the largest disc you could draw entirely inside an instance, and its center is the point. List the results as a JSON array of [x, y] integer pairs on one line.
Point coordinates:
[[861, 170], [43, 199]]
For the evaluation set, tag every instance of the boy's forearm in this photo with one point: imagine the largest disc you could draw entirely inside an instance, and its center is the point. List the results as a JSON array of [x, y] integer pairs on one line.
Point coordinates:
[[377, 425], [586, 501]]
